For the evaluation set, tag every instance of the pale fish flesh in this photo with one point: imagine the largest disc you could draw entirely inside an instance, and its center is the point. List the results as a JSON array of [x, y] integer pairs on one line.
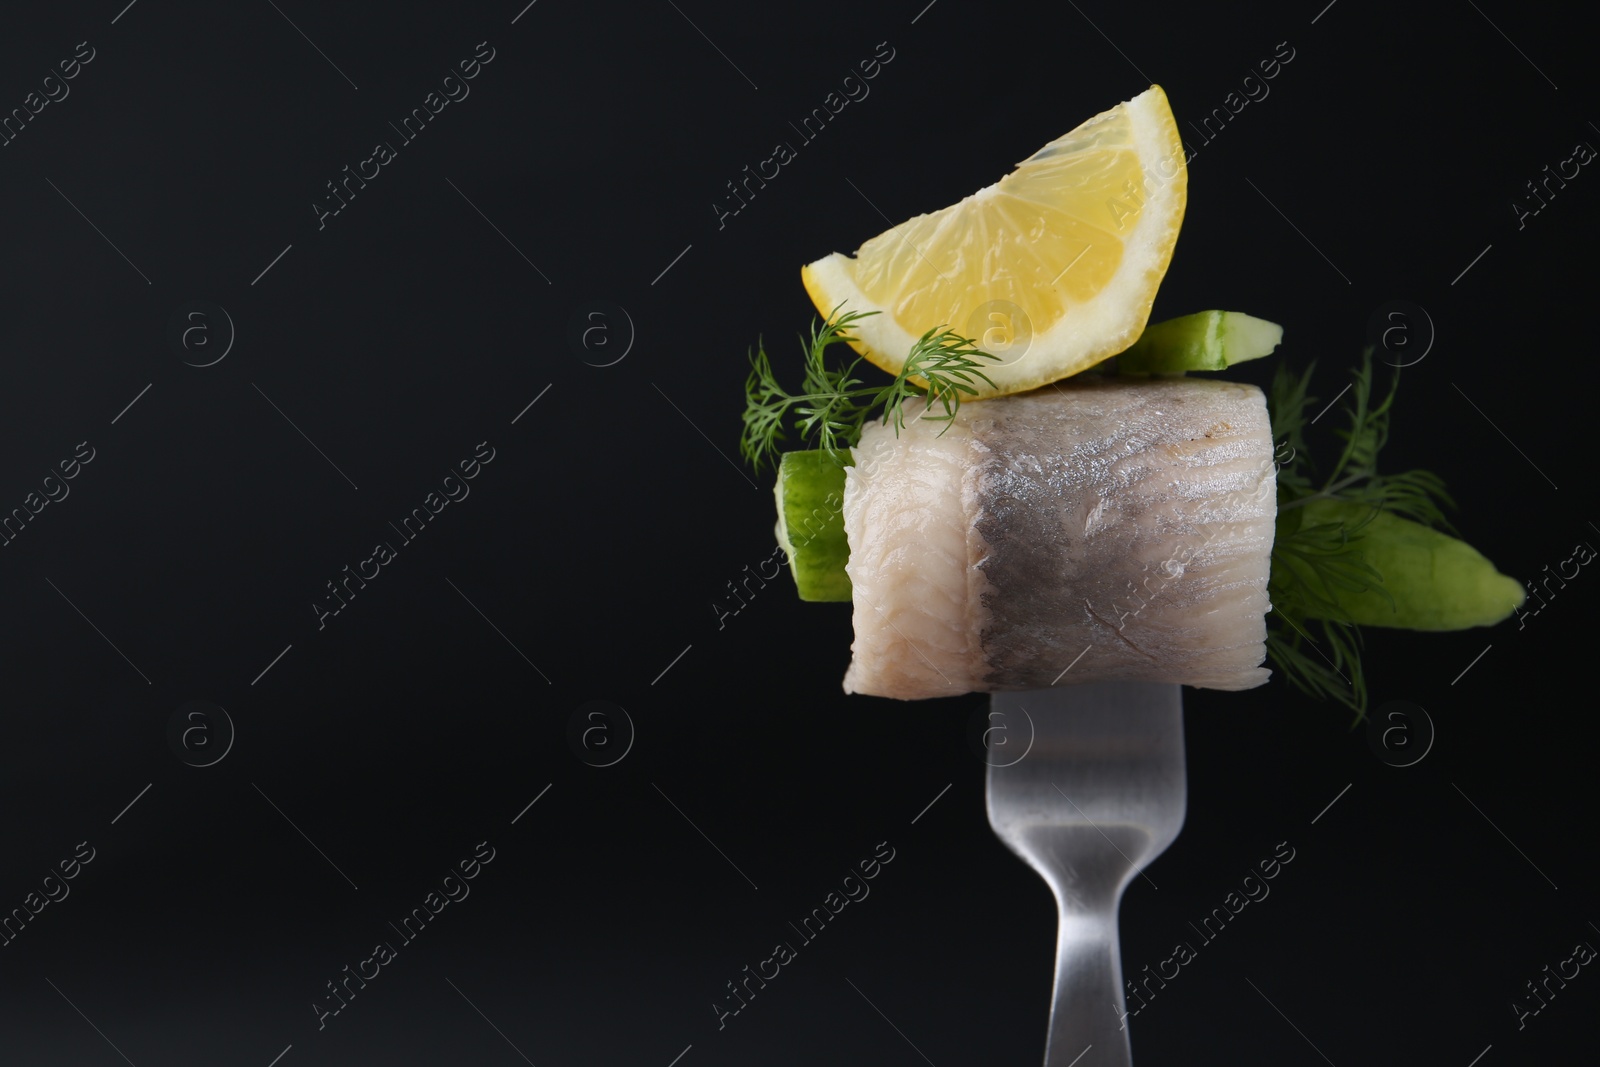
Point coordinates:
[[1098, 530]]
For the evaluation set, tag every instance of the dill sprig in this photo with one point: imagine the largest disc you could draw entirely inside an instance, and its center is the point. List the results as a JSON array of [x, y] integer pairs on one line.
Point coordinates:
[[1317, 646], [833, 405]]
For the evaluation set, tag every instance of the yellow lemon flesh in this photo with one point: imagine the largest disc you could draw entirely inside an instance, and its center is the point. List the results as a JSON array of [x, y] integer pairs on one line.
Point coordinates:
[[1051, 269]]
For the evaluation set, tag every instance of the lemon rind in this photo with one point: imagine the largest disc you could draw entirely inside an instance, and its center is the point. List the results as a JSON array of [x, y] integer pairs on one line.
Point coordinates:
[[1090, 332]]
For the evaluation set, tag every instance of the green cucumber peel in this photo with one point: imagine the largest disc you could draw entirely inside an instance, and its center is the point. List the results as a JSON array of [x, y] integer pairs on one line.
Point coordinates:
[[1427, 579], [810, 494], [1206, 340]]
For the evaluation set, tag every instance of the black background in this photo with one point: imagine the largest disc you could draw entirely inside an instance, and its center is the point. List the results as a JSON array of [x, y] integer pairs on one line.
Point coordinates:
[[187, 156]]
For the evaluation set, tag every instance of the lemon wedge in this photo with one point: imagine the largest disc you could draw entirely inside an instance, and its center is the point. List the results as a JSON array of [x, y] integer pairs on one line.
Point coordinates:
[[1051, 269]]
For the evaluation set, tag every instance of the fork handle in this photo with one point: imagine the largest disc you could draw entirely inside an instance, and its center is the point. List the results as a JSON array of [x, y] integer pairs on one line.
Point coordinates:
[[1088, 1026]]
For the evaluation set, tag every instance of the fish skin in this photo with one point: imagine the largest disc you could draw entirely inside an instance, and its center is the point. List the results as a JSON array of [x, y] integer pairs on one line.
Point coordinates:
[[1134, 520], [1120, 526]]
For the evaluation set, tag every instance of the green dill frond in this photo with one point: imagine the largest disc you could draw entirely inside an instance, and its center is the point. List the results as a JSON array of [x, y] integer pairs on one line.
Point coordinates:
[[1287, 401], [1326, 670], [1312, 565], [1416, 495], [949, 363], [765, 404], [828, 408], [833, 404], [1309, 637], [1368, 431], [831, 409]]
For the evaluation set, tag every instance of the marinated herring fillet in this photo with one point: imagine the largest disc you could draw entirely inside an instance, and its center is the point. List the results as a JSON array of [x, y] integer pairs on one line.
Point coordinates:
[[1120, 529]]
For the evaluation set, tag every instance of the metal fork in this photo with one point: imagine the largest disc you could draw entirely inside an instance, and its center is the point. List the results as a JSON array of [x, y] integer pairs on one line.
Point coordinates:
[[1098, 795]]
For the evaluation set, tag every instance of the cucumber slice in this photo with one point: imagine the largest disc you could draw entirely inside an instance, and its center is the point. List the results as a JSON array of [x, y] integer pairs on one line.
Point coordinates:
[[1438, 582], [1206, 340], [810, 494]]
